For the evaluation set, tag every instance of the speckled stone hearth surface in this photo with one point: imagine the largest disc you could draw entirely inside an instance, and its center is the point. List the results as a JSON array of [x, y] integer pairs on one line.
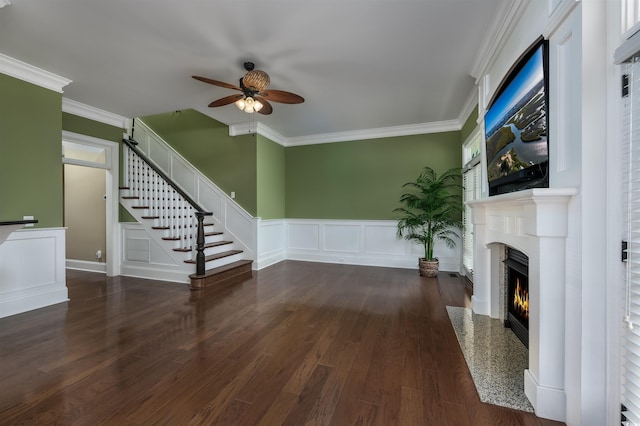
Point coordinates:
[[495, 356]]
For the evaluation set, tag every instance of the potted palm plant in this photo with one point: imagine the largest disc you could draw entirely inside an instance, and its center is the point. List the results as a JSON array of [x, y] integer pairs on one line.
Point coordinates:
[[432, 211]]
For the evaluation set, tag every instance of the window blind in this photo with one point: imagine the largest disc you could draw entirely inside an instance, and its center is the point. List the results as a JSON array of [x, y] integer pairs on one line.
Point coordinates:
[[472, 186], [630, 344]]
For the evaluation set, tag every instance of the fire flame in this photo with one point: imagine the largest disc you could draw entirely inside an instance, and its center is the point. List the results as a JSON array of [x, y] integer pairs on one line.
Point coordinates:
[[521, 300]]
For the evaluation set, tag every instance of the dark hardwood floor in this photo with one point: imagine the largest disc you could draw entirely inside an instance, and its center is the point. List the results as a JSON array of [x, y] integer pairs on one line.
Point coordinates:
[[298, 343]]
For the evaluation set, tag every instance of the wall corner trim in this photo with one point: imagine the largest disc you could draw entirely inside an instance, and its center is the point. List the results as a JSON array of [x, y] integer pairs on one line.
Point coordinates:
[[92, 113], [31, 74]]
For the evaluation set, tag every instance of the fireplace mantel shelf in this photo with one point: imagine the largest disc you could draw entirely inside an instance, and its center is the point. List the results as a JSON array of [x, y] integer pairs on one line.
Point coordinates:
[[530, 195]]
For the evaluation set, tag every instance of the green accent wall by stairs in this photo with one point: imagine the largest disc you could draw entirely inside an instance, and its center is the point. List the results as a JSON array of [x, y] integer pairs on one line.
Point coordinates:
[[30, 152], [228, 162], [362, 179], [85, 126]]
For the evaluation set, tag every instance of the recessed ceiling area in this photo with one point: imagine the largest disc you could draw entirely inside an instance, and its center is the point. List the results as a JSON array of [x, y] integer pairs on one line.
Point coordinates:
[[358, 64]]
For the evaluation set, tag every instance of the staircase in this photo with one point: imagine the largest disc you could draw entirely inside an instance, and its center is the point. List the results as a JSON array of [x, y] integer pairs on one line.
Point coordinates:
[[177, 223]]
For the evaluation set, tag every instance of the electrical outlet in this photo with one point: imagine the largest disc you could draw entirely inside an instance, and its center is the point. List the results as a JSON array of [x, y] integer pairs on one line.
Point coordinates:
[[99, 254], [233, 194]]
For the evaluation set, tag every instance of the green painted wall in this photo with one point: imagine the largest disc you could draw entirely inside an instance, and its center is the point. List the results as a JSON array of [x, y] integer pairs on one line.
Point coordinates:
[[85, 126], [469, 125], [30, 152], [361, 179], [229, 162], [270, 179]]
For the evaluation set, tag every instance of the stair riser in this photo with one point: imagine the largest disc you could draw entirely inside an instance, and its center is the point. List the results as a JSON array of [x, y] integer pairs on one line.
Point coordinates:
[[224, 261]]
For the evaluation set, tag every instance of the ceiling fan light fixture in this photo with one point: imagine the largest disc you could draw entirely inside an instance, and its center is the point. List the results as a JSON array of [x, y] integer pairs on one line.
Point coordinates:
[[249, 105]]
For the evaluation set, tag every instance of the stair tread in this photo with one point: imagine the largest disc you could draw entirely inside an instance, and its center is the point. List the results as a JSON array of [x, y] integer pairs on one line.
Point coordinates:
[[216, 256]]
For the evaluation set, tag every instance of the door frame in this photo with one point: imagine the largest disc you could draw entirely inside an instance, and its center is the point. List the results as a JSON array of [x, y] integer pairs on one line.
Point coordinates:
[[112, 168]]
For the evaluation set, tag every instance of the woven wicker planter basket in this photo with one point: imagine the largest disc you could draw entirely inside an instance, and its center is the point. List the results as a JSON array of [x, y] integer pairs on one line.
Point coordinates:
[[428, 268]]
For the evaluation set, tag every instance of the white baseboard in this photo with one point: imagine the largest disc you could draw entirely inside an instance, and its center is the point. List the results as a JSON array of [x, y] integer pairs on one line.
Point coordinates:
[[269, 259], [85, 265], [548, 403], [155, 272]]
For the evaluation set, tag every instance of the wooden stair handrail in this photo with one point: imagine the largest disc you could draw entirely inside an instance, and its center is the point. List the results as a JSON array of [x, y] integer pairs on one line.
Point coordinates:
[[17, 222], [200, 212]]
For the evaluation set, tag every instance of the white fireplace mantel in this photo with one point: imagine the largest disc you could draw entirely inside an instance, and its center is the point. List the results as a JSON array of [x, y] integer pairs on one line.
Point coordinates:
[[534, 221]]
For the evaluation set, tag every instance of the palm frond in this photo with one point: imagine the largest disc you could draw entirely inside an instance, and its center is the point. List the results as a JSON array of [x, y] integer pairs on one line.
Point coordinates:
[[431, 208]]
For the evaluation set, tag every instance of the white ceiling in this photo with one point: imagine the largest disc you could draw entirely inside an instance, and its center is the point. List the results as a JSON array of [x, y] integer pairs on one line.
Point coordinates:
[[360, 64]]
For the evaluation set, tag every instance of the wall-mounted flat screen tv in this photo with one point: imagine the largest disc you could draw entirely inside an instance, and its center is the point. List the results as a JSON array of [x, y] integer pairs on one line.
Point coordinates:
[[516, 126]]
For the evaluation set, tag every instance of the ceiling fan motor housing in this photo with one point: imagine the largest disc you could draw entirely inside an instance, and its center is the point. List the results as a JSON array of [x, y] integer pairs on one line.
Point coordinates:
[[256, 79]]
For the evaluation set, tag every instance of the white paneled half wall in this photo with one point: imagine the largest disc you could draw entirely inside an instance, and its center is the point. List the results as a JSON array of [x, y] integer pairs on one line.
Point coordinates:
[[357, 242], [32, 270]]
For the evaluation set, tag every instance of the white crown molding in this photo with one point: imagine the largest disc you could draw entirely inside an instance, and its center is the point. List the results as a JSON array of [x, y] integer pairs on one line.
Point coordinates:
[[23, 71], [469, 105], [503, 25], [382, 132], [96, 114], [4, 3]]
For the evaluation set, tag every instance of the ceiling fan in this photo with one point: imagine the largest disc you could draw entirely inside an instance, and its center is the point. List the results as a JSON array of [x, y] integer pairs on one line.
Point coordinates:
[[255, 96]]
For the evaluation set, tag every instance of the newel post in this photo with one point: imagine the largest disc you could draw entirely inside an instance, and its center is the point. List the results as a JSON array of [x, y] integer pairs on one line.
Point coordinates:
[[200, 244]]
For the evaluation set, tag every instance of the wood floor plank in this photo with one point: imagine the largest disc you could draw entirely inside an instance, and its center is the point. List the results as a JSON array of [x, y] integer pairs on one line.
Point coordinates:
[[294, 343]]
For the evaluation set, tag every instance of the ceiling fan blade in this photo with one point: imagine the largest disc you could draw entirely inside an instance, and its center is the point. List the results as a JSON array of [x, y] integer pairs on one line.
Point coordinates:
[[226, 100], [266, 106], [217, 83], [282, 96]]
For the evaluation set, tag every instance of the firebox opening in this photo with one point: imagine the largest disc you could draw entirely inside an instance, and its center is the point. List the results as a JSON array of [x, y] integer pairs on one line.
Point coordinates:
[[517, 280]]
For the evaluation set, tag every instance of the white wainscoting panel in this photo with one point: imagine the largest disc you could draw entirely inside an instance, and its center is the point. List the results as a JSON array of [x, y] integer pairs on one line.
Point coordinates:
[[142, 257], [24, 287], [271, 242], [303, 235], [160, 155], [360, 242], [183, 174], [381, 239], [342, 238]]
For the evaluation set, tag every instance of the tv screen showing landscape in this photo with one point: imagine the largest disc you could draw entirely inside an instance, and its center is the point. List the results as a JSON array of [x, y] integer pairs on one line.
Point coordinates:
[[516, 128]]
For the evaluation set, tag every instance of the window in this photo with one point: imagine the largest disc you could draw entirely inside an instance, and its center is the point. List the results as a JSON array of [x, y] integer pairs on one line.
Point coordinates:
[[472, 182], [630, 17]]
